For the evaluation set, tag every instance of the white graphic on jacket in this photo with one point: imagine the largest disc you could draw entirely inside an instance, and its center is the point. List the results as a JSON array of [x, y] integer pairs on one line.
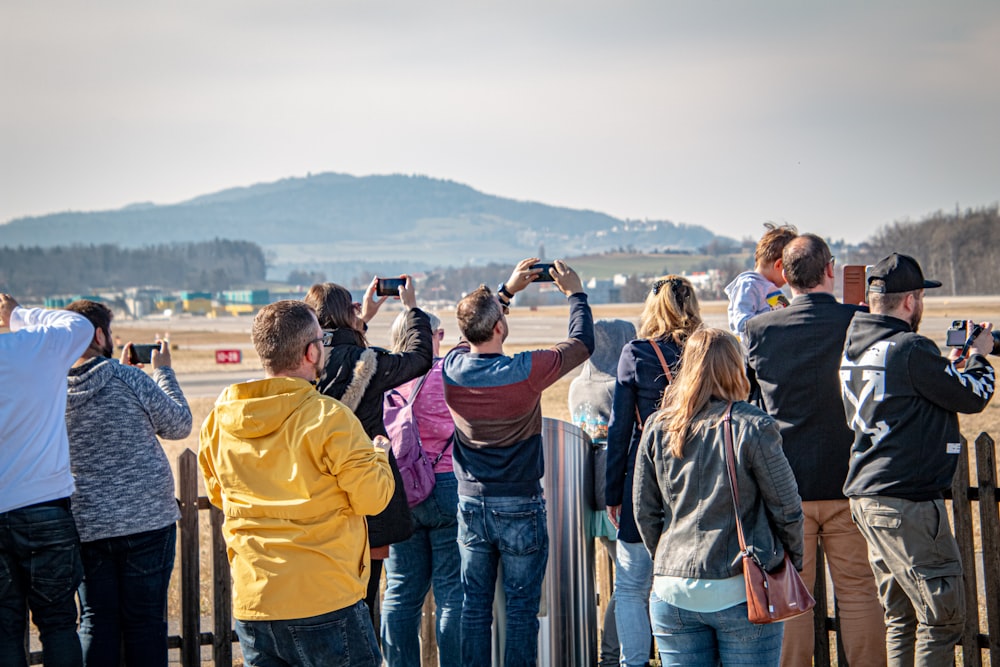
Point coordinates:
[[862, 390]]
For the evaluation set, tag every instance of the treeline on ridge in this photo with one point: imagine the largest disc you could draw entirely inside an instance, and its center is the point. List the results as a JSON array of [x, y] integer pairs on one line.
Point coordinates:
[[82, 269], [961, 249]]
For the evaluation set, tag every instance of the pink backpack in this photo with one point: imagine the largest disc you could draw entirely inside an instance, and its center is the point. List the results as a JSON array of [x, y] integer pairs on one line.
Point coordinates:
[[415, 468]]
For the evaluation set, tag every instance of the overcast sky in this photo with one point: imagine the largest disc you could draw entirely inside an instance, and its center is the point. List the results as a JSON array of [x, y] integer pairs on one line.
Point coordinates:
[[834, 116]]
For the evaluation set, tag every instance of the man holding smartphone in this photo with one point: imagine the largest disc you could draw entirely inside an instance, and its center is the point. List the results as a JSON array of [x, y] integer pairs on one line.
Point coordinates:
[[495, 400]]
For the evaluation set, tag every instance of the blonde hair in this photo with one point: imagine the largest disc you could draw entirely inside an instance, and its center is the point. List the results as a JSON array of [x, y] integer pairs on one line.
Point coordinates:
[[671, 310], [711, 367], [397, 332]]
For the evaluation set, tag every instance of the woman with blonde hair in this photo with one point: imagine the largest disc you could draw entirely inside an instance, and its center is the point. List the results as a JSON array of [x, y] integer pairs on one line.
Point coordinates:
[[645, 368], [686, 517]]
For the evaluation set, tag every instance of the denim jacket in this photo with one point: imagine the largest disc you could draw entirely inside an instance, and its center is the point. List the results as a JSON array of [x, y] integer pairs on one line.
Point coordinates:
[[684, 507]]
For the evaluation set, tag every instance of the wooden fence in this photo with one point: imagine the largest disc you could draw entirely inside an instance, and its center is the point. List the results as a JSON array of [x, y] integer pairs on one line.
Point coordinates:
[[971, 528]]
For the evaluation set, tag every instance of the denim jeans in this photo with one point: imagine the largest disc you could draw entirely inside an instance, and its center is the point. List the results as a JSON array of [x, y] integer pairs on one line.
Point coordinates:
[[123, 598], [512, 531], [431, 555], [633, 583], [39, 568], [695, 639], [342, 638]]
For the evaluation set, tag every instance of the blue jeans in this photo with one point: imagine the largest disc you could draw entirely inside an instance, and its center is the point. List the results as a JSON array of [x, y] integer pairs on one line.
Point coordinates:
[[123, 597], [431, 555], [342, 638], [694, 639], [510, 530], [39, 568], [633, 582]]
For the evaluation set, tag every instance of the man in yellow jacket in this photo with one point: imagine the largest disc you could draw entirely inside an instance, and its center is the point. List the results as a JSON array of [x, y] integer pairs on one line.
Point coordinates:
[[295, 475]]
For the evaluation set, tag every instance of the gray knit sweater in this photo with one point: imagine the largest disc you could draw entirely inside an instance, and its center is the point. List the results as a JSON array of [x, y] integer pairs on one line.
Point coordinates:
[[123, 480]]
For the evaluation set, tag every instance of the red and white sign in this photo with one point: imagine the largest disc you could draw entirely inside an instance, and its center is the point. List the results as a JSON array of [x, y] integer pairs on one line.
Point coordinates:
[[228, 356]]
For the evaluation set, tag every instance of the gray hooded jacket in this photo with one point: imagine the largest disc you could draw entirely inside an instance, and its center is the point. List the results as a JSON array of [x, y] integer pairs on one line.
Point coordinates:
[[123, 480]]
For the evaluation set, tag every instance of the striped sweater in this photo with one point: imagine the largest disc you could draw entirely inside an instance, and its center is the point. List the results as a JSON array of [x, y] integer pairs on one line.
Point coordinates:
[[496, 403]]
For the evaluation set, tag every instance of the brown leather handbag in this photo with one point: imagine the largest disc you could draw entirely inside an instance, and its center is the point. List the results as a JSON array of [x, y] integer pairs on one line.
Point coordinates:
[[771, 596]]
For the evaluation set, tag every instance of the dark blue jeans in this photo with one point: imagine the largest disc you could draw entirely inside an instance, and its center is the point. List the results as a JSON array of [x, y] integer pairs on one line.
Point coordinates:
[[124, 598], [342, 638], [39, 569], [512, 531], [431, 555]]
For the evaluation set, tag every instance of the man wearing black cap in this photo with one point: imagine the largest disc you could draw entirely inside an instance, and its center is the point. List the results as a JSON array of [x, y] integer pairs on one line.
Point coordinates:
[[901, 398]]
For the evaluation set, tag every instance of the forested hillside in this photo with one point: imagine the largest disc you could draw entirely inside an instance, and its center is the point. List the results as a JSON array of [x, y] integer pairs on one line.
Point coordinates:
[[83, 269], [960, 249]]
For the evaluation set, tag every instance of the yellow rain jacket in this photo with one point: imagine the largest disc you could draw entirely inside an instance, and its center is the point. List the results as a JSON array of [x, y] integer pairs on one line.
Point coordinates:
[[294, 475]]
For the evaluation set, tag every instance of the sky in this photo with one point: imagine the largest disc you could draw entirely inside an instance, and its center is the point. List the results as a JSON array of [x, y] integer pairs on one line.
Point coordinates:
[[837, 117]]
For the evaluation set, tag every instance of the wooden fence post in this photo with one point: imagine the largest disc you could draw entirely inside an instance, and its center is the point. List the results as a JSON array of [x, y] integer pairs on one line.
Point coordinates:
[[989, 521], [222, 594], [961, 512], [821, 635], [187, 466]]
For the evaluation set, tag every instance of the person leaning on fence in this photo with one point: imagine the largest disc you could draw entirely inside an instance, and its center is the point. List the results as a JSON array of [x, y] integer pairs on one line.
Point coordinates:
[[645, 368], [901, 397], [295, 475], [358, 375], [794, 356], [591, 395], [124, 506], [39, 546], [685, 514], [431, 555], [496, 402]]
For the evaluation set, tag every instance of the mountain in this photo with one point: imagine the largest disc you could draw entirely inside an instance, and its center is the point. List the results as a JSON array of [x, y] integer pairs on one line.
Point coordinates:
[[339, 224]]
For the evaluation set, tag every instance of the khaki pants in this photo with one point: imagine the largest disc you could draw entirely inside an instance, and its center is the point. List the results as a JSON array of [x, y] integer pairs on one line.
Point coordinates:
[[861, 622], [919, 571]]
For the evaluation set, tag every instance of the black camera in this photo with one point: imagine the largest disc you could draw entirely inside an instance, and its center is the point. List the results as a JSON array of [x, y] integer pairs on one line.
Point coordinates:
[[546, 275], [141, 353], [956, 336], [389, 286]]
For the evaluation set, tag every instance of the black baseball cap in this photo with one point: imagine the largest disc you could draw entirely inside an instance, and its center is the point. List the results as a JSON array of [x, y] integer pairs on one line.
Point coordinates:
[[898, 273]]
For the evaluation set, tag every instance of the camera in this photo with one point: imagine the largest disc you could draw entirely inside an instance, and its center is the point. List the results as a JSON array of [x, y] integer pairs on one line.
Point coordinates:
[[389, 286], [142, 353], [956, 336], [546, 275]]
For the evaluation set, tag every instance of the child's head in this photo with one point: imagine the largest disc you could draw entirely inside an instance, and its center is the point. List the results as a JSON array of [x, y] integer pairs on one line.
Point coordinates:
[[767, 256]]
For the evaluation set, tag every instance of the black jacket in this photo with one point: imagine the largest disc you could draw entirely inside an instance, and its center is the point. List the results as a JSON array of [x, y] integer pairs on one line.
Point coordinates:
[[358, 377], [794, 355], [901, 397]]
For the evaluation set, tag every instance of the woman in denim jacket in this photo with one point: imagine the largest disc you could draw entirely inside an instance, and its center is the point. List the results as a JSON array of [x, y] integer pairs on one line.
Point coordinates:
[[685, 515]]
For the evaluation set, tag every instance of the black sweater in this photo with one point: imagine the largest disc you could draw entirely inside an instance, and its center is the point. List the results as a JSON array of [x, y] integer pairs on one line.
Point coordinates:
[[901, 398]]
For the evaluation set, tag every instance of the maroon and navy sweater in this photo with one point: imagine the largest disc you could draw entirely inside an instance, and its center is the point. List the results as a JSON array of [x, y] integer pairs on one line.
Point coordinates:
[[496, 403]]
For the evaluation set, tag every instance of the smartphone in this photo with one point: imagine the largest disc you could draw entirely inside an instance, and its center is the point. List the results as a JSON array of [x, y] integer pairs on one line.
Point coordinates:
[[855, 284], [389, 286], [141, 353], [546, 275]]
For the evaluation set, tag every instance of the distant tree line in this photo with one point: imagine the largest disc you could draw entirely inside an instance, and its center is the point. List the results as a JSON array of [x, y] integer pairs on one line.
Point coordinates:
[[961, 249], [80, 269]]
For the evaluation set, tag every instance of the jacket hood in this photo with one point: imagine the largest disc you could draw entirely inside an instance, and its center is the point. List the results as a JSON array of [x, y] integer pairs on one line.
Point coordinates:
[[86, 380], [610, 336], [867, 329], [260, 407]]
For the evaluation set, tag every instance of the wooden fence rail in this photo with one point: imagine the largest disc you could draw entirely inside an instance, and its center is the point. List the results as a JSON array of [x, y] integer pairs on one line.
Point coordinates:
[[829, 650]]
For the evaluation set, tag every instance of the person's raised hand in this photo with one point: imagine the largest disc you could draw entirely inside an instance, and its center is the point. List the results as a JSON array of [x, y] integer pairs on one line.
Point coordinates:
[[522, 275], [565, 278]]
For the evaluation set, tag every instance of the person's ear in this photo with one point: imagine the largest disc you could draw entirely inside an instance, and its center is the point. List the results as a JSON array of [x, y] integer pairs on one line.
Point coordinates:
[[100, 339]]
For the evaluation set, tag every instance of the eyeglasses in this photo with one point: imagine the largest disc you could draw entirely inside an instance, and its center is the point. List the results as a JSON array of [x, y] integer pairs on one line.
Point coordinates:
[[439, 334], [326, 340], [833, 259], [356, 306]]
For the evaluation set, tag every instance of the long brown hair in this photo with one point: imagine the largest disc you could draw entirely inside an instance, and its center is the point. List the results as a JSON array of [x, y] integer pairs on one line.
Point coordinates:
[[711, 367], [334, 308], [671, 310]]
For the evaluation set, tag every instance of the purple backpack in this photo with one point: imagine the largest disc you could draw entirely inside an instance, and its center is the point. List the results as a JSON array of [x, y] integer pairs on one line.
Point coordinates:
[[415, 468]]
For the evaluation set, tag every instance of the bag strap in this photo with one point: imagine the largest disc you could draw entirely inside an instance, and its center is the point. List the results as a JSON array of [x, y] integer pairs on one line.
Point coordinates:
[[734, 488], [416, 390], [666, 371]]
